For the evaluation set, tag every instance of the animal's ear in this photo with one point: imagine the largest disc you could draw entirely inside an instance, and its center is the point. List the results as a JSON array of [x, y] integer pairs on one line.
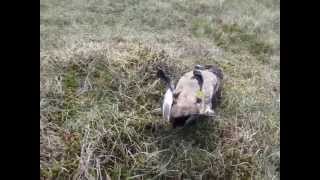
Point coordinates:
[[165, 78], [198, 100], [215, 70], [161, 74]]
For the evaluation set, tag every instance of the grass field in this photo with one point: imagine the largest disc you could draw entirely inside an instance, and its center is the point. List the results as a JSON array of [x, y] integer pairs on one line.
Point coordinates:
[[99, 93]]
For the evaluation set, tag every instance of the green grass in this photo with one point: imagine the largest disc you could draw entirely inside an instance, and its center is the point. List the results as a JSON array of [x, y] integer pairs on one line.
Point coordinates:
[[99, 92]]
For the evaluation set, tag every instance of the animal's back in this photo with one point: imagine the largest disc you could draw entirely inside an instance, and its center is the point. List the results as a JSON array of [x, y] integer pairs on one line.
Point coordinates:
[[189, 84]]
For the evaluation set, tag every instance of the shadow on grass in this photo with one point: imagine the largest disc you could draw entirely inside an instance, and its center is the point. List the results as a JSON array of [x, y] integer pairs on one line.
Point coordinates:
[[185, 151], [201, 134]]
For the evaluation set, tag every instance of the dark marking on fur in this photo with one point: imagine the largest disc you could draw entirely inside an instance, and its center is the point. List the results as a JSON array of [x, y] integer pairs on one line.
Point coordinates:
[[216, 99], [198, 76], [176, 94], [165, 78], [215, 70]]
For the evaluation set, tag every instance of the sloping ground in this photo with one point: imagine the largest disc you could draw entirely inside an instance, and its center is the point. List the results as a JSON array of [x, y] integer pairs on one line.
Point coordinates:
[[99, 91]]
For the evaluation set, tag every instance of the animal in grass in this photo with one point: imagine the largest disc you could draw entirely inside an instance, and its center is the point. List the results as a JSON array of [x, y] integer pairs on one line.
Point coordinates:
[[196, 95]]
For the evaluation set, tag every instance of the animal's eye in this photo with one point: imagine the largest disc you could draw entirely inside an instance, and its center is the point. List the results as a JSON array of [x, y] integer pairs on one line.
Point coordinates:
[[176, 94], [174, 101], [199, 100]]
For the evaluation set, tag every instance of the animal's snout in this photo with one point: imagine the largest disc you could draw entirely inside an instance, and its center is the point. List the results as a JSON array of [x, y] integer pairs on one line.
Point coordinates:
[[179, 121], [179, 111]]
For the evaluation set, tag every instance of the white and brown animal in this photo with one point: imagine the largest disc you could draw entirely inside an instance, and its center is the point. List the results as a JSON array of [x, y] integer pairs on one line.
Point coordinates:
[[196, 94]]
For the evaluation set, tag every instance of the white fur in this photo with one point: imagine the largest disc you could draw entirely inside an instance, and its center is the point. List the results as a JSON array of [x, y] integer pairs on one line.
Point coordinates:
[[167, 104]]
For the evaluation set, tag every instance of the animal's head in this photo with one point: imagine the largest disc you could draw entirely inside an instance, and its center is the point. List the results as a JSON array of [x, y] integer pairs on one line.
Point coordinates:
[[185, 101]]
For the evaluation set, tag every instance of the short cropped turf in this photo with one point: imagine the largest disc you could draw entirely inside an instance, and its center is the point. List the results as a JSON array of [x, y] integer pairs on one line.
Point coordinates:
[[100, 97]]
